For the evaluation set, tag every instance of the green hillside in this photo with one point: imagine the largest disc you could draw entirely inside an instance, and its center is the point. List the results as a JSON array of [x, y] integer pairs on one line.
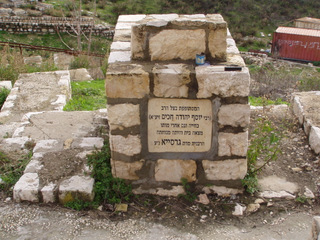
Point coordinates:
[[246, 17]]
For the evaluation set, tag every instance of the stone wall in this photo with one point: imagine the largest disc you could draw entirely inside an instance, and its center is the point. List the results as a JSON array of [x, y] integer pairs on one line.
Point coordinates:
[[170, 119], [44, 25]]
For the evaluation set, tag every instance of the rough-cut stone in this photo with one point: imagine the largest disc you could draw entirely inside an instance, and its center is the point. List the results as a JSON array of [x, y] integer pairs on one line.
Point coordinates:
[[222, 190], [17, 145], [314, 139], [122, 35], [272, 194], [76, 187], [120, 46], [139, 43], [34, 166], [6, 84], [124, 25], [224, 84], [177, 44], [131, 18], [49, 193], [126, 170], [238, 210], [50, 145], [171, 80], [175, 170], [63, 60], [79, 75], [175, 191], [127, 81], [277, 184], [308, 193], [235, 59], [166, 17], [217, 43], [225, 170], [27, 188], [235, 115], [119, 56], [33, 60], [123, 115], [253, 207], [316, 227], [232, 47], [88, 143], [129, 145], [233, 144]]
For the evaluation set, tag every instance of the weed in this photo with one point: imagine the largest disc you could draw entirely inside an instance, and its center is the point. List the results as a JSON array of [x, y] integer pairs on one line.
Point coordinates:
[[301, 199], [79, 205], [189, 196], [11, 170], [87, 96], [265, 147], [107, 188], [3, 96], [80, 62]]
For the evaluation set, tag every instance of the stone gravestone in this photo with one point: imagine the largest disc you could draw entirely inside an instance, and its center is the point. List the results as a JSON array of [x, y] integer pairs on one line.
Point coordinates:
[[170, 119]]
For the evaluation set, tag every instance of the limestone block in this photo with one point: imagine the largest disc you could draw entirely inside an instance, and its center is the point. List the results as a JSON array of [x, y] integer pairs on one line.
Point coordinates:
[[272, 194], [177, 44], [49, 193], [166, 17], [15, 145], [171, 80], [235, 115], [88, 143], [123, 115], [231, 144], [316, 227], [122, 35], [33, 60], [49, 145], [175, 191], [174, 170], [120, 46], [217, 43], [297, 109], [27, 188], [131, 18], [119, 56], [232, 47], [80, 75], [224, 84], [6, 84], [127, 81], [139, 42], [34, 166], [126, 170], [124, 25], [222, 190], [235, 59], [129, 145], [76, 187], [314, 139], [225, 170]]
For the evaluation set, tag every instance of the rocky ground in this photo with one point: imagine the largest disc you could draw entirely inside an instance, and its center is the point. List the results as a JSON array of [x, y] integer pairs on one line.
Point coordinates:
[[154, 217]]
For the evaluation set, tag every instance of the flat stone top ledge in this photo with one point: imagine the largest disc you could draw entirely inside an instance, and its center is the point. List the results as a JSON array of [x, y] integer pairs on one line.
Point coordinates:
[[155, 19]]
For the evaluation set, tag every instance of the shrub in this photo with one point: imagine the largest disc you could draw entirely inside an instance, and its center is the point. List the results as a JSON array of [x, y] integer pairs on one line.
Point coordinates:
[[3, 95]]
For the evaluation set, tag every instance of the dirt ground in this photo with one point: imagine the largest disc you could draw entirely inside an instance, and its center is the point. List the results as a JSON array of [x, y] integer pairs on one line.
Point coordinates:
[[154, 217]]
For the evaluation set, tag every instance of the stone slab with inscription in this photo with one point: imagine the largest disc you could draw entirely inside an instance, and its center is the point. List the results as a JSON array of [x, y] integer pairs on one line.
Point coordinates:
[[179, 125]]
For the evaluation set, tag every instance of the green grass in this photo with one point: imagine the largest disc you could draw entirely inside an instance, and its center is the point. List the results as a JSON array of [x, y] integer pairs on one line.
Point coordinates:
[[11, 170], [261, 101], [87, 96]]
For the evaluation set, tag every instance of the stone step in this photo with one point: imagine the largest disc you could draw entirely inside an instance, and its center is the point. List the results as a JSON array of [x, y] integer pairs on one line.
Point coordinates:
[[58, 172], [34, 92]]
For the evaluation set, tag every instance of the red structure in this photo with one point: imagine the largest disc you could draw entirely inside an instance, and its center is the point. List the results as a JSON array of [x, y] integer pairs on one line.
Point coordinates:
[[296, 44]]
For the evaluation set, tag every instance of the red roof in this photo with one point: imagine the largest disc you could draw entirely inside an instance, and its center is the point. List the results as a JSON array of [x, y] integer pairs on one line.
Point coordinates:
[[299, 31]]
